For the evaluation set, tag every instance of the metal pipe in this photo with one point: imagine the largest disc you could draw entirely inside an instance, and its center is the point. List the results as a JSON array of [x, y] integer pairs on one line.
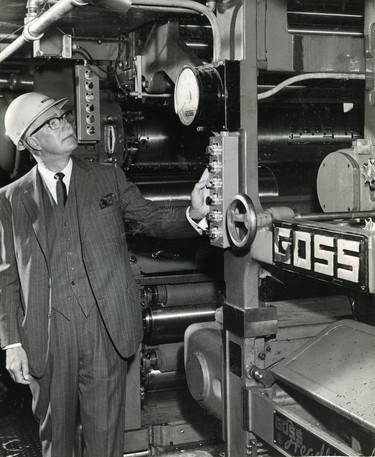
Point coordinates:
[[326, 22], [168, 325], [35, 29], [167, 357], [138, 454], [5, 37], [52, 15], [32, 7], [304, 77], [314, 13], [182, 294], [162, 9], [194, 6], [336, 215], [146, 95], [322, 31], [156, 380], [18, 82], [13, 47]]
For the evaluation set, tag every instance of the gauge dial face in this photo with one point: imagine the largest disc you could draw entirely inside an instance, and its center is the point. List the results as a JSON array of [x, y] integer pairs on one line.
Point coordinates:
[[186, 96]]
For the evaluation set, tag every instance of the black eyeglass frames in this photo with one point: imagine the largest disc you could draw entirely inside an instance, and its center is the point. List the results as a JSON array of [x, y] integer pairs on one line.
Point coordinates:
[[55, 122]]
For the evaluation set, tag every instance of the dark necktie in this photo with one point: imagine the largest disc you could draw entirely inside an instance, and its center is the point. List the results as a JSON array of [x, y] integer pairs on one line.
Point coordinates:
[[61, 192]]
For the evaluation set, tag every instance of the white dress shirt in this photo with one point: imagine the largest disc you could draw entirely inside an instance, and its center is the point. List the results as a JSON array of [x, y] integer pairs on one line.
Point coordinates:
[[48, 177], [200, 226]]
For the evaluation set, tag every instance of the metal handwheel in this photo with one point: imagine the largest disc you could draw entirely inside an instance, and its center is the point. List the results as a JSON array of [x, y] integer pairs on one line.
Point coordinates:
[[242, 221]]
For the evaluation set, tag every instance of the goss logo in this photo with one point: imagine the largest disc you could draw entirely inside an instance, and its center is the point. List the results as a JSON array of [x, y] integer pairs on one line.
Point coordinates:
[[297, 441], [329, 255]]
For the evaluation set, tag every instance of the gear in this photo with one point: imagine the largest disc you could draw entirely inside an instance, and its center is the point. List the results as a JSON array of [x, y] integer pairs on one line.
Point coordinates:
[[369, 173], [369, 225]]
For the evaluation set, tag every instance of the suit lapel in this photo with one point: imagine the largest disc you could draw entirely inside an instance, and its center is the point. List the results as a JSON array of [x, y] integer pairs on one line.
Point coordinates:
[[82, 176], [32, 199]]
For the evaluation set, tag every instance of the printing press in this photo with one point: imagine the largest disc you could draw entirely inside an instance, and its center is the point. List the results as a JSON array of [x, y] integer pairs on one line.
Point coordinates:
[[259, 335]]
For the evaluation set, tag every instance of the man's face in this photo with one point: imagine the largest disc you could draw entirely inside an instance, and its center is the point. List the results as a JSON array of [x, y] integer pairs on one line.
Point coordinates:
[[60, 141]]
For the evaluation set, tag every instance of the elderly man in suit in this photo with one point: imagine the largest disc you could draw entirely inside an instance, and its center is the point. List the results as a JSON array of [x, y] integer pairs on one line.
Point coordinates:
[[69, 306]]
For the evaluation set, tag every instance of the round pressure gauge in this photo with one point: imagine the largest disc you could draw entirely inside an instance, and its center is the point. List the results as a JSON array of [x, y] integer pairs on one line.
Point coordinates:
[[186, 96], [198, 95]]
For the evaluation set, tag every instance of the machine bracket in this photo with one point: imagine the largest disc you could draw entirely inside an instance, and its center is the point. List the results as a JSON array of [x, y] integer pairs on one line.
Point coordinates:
[[250, 323]]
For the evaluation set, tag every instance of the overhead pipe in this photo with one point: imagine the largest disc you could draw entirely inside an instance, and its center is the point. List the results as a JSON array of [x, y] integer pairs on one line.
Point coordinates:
[[162, 9], [6, 37], [35, 29], [193, 6], [32, 9]]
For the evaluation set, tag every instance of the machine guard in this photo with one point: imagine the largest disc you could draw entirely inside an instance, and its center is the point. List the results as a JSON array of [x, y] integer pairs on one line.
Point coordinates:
[[336, 369]]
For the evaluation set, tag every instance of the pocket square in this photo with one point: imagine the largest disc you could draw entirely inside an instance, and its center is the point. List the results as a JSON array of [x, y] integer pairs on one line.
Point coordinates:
[[107, 201]]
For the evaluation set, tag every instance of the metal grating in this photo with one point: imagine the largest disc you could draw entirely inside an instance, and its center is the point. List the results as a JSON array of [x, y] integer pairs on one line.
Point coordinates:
[[19, 435]]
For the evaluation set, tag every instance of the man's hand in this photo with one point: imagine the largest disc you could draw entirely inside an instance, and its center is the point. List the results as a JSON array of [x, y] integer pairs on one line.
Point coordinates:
[[18, 365], [199, 208]]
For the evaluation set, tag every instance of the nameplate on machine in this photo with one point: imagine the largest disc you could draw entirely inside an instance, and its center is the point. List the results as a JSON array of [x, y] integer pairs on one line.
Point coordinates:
[[322, 253], [295, 440]]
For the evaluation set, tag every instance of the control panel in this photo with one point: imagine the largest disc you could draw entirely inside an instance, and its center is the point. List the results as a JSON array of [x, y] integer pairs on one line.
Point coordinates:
[[88, 103], [223, 184]]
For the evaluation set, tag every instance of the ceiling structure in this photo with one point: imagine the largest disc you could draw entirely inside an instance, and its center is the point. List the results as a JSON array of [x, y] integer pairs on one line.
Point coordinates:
[[83, 21]]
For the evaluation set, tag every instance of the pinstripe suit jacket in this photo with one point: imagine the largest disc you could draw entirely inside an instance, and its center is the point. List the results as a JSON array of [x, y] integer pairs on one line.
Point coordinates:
[[25, 304]]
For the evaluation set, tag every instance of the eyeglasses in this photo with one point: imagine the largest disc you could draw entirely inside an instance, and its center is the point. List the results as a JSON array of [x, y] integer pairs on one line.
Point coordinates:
[[55, 122]]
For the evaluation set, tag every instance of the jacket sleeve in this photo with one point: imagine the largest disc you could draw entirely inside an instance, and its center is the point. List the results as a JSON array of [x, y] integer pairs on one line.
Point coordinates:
[[10, 302], [150, 218]]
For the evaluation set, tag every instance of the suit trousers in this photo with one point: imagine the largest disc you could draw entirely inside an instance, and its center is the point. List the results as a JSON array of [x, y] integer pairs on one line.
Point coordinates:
[[84, 376]]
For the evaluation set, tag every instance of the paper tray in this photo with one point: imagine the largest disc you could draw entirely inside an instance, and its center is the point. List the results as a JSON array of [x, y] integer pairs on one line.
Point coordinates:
[[337, 369]]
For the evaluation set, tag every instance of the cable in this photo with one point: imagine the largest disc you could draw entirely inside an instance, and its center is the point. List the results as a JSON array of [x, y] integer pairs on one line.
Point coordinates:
[[12, 33], [119, 84], [87, 56], [43, 8], [81, 53], [85, 53], [298, 78]]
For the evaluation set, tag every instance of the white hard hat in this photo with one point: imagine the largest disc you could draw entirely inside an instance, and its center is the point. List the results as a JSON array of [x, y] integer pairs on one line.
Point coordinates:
[[23, 111]]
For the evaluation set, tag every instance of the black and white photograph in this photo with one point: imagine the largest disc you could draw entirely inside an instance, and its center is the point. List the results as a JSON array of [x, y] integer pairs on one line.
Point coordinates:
[[187, 228]]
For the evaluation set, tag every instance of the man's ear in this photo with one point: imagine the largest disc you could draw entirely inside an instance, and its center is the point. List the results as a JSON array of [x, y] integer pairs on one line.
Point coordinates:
[[33, 143]]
